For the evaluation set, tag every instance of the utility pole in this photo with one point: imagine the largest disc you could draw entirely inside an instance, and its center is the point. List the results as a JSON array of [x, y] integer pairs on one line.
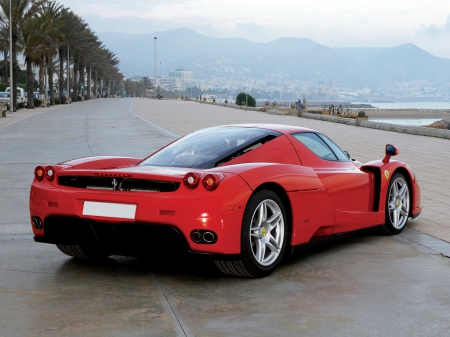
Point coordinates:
[[12, 89], [154, 71], [68, 74]]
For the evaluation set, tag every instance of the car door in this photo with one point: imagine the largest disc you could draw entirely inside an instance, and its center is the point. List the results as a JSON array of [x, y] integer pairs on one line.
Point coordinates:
[[350, 189]]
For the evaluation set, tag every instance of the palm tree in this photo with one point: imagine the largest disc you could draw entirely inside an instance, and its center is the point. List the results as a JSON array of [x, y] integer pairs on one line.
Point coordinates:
[[32, 41], [21, 10], [54, 13]]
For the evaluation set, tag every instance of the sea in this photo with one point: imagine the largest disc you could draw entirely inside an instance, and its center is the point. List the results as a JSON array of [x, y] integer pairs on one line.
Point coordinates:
[[410, 105], [406, 121]]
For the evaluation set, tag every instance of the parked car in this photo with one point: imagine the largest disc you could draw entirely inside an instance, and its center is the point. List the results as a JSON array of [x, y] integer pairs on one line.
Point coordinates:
[[5, 97], [21, 99], [245, 195]]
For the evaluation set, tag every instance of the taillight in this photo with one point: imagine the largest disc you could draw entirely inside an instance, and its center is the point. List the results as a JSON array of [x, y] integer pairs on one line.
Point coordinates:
[[211, 181], [39, 173], [191, 179], [49, 173]]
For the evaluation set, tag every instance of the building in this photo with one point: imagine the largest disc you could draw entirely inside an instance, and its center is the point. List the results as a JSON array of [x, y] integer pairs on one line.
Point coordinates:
[[179, 79]]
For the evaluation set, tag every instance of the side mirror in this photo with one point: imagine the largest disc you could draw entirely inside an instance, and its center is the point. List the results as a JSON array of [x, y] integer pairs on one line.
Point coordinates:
[[390, 151]]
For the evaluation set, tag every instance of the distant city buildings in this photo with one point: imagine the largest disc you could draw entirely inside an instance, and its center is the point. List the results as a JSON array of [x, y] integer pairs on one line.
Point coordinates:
[[281, 87]]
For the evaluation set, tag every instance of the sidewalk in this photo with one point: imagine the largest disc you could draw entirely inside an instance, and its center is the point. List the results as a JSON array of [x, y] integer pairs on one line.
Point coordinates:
[[427, 156], [24, 113]]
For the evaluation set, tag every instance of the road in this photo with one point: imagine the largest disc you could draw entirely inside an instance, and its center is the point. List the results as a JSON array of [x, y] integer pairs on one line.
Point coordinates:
[[369, 285]]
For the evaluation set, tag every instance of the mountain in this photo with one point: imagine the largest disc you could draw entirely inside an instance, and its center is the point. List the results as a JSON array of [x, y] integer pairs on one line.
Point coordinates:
[[281, 61]]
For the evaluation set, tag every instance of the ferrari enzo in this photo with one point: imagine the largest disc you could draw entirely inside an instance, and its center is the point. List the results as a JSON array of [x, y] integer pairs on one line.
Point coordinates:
[[243, 194]]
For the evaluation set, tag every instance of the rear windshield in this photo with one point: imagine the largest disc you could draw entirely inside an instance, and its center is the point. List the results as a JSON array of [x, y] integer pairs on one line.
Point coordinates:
[[209, 147]]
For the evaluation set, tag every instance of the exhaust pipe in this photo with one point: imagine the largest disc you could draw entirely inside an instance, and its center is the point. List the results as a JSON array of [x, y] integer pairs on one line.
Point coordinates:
[[209, 237], [37, 222], [196, 236], [203, 237]]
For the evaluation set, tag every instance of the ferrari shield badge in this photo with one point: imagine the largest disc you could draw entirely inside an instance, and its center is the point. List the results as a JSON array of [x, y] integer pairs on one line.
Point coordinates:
[[386, 174]]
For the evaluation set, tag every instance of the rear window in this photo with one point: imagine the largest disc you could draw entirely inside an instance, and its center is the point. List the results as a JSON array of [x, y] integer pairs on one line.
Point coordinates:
[[210, 147], [321, 145]]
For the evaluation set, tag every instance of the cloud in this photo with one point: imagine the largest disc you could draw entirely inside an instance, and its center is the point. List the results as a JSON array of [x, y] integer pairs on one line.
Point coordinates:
[[120, 8], [435, 30]]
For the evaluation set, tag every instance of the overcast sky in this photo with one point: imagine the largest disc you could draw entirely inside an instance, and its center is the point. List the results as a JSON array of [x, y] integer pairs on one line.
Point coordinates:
[[334, 23]]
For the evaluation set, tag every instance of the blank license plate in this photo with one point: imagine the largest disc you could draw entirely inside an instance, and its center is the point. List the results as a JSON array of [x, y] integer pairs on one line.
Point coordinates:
[[109, 209]]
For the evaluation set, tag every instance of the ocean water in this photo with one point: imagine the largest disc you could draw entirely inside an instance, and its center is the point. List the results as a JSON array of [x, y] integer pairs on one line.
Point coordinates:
[[410, 105], [405, 121]]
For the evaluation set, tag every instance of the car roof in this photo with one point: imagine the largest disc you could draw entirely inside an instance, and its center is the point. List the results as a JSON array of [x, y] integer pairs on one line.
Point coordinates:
[[285, 129]]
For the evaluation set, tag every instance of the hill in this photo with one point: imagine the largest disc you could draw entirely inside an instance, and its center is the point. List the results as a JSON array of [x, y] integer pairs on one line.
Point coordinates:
[[279, 62]]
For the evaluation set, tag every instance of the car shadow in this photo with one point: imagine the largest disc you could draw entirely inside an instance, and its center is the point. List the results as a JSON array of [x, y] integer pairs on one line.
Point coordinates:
[[182, 263]]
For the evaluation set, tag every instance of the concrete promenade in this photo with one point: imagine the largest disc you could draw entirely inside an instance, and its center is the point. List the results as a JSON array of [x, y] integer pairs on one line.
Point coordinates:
[[369, 285], [429, 157]]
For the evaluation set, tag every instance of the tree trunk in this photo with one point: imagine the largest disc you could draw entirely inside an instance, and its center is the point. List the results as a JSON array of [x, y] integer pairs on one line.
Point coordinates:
[[30, 80], [95, 84], [6, 69], [81, 81], [88, 73], [41, 78], [75, 87], [62, 57], [50, 82], [15, 74]]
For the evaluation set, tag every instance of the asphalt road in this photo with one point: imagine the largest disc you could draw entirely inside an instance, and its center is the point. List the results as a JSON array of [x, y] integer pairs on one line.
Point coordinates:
[[369, 285]]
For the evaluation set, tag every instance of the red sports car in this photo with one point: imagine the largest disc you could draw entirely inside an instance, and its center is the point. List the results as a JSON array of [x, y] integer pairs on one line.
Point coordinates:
[[243, 194]]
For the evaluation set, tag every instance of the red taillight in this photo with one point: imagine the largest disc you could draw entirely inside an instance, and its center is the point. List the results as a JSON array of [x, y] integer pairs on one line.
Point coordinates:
[[49, 173], [211, 181], [39, 173], [191, 179]]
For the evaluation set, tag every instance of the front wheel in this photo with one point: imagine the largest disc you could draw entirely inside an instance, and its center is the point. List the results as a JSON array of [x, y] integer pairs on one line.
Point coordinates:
[[397, 205], [263, 239]]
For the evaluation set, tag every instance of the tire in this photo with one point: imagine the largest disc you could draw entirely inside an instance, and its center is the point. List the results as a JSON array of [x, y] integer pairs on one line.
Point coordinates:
[[398, 203], [84, 252], [263, 242]]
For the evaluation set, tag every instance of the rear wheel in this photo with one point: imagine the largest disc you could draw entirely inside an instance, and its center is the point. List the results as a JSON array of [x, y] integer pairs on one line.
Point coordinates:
[[263, 239], [84, 251], [397, 205]]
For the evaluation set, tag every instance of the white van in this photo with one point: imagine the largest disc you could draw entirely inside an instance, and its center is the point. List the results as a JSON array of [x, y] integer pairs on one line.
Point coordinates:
[[21, 99]]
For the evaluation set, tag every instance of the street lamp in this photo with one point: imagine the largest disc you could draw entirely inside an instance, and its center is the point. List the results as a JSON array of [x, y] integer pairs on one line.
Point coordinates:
[[68, 75], [154, 72], [12, 89]]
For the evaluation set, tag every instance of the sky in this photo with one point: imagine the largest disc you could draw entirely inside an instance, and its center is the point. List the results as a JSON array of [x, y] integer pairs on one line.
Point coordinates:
[[343, 23]]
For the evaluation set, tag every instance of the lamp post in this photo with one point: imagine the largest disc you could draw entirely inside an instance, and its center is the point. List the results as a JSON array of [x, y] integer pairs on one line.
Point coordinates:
[[160, 90], [154, 71], [12, 89], [68, 75]]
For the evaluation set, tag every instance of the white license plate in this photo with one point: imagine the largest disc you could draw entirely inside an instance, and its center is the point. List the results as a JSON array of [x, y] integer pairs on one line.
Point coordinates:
[[109, 209]]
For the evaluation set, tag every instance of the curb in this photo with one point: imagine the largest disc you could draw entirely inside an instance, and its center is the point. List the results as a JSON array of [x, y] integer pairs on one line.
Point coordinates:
[[413, 130]]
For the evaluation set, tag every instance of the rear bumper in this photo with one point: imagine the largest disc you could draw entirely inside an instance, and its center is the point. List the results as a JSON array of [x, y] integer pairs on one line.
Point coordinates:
[[128, 239], [158, 216]]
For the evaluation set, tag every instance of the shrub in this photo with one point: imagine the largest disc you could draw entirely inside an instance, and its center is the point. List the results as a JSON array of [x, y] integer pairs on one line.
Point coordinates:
[[79, 99], [37, 102], [57, 101], [242, 97]]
